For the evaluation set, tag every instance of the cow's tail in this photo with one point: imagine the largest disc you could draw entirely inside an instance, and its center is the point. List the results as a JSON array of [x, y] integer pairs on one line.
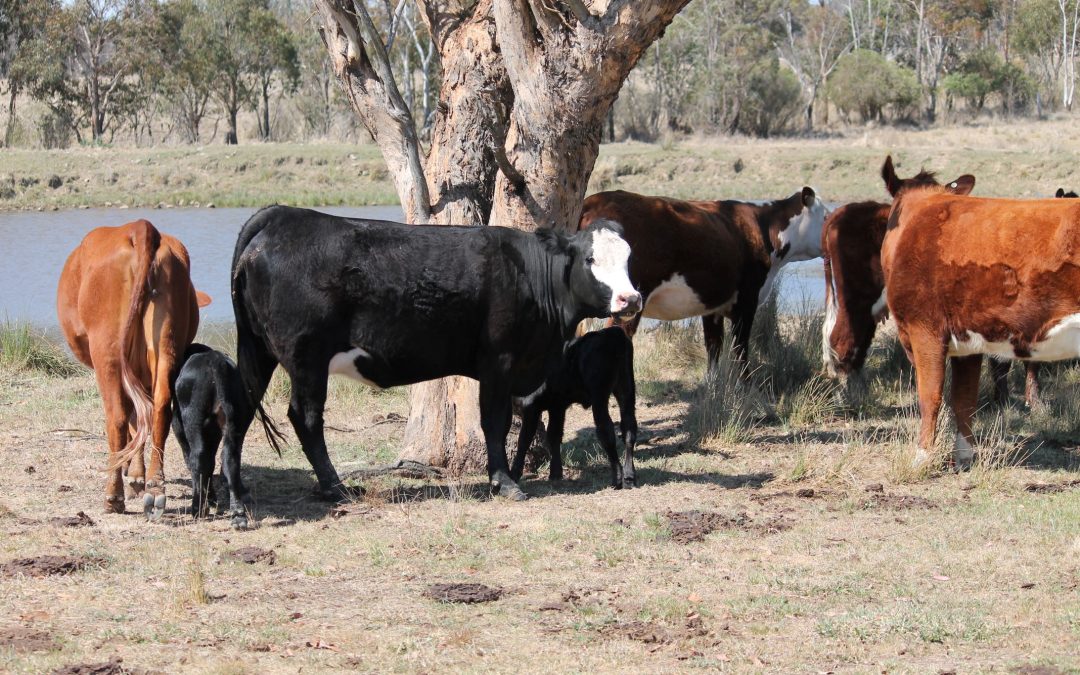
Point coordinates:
[[145, 240], [250, 358]]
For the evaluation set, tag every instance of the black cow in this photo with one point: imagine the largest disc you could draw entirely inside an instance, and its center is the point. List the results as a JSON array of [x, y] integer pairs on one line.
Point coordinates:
[[209, 404], [595, 365], [392, 304]]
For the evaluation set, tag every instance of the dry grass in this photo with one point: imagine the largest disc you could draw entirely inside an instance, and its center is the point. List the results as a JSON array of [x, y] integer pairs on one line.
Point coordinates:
[[1013, 159], [934, 572]]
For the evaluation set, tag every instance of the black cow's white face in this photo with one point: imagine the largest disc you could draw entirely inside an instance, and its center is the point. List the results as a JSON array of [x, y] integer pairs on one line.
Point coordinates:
[[604, 279]]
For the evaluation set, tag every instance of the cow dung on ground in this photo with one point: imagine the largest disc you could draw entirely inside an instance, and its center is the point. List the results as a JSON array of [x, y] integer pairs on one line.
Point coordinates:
[[48, 565], [80, 519], [254, 554], [114, 666], [23, 640], [1050, 488], [463, 593], [691, 526]]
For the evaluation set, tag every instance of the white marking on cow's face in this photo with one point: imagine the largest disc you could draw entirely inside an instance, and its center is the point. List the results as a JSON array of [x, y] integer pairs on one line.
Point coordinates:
[[881, 307], [802, 236], [344, 363], [1062, 342], [610, 254]]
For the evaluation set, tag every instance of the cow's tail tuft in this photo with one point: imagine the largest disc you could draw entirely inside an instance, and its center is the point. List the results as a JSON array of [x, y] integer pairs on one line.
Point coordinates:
[[249, 357], [145, 241]]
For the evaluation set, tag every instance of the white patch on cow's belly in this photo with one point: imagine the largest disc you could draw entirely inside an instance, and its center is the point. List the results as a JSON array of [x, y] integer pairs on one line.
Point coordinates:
[[1062, 342], [344, 363], [673, 300]]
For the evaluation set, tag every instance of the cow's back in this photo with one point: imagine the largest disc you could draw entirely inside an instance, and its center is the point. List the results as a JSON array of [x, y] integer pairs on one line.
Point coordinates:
[[989, 266]]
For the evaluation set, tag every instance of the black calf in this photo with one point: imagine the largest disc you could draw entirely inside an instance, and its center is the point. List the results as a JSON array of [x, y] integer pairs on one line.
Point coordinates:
[[593, 367], [208, 402]]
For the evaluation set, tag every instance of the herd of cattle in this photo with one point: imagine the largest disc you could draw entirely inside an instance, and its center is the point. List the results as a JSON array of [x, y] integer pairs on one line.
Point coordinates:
[[392, 304]]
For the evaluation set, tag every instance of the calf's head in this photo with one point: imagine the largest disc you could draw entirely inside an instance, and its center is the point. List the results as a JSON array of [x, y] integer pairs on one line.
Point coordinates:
[[597, 274]]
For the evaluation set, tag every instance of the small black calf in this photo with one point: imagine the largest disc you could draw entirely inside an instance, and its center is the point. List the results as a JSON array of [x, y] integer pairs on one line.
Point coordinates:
[[594, 366], [208, 401]]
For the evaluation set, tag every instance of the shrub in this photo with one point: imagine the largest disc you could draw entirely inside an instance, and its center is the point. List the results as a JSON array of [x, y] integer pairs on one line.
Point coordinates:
[[866, 83]]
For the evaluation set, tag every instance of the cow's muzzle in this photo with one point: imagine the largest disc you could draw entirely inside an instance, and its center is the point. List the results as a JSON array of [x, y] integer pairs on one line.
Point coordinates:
[[626, 305]]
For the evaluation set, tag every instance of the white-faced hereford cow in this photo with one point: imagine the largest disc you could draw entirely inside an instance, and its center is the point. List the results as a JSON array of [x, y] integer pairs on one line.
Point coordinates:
[[968, 276], [392, 304], [127, 308], [713, 259]]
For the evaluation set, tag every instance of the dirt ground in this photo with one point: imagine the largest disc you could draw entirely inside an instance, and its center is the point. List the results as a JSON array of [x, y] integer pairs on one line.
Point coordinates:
[[796, 547]]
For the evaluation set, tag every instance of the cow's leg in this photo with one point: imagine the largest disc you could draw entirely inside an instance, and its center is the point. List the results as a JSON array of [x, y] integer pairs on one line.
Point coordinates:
[[530, 418], [306, 415], [605, 433], [999, 374], [231, 451], [556, 421], [713, 325], [154, 496], [928, 355], [1031, 385], [624, 394], [117, 410], [741, 324], [965, 398], [496, 411]]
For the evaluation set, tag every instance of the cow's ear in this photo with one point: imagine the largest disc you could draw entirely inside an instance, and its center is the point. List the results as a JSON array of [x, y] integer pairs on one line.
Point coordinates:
[[808, 196], [888, 174], [962, 185], [1060, 193], [202, 299]]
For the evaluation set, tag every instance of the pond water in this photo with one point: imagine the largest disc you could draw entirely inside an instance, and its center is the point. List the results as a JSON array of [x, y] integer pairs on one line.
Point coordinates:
[[34, 246]]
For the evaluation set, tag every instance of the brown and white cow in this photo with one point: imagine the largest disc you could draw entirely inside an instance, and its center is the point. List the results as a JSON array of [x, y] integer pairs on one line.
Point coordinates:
[[854, 286], [969, 276], [712, 259], [128, 310]]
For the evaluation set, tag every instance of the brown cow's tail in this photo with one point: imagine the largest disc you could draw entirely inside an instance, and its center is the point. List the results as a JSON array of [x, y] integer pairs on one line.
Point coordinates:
[[145, 241]]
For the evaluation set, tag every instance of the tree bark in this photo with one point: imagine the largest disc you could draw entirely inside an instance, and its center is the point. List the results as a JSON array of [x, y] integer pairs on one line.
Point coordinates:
[[566, 69]]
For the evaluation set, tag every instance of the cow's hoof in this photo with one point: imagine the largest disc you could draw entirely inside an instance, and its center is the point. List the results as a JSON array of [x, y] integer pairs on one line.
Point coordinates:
[[629, 482], [239, 521], [962, 462], [114, 504], [153, 507], [134, 488], [922, 459], [339, 493], [503, 486]]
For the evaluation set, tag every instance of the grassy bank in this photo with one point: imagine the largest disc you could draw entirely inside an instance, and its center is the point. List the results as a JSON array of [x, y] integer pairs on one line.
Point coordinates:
[[827, 553], [1023, 159]]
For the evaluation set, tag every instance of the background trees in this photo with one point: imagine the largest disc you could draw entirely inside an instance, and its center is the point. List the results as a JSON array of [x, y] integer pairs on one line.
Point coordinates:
[[150, 71]]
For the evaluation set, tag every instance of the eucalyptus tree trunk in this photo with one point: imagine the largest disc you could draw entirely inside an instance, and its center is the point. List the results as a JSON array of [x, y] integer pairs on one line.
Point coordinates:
[[525, 90]]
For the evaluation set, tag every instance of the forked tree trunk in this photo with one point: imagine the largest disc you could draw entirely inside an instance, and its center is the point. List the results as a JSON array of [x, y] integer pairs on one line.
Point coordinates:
[[526, 88]]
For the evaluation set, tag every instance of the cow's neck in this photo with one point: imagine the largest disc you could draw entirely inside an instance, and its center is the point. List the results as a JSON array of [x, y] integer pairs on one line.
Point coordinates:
[[548, 286]]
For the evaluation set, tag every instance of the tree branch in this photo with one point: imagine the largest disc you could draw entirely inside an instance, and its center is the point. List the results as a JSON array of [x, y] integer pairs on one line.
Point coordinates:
[[583, 15]]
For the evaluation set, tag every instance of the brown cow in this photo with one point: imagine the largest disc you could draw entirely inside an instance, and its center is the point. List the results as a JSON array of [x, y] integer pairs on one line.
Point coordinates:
[[712, 259], [128, 310], [854, 286], [969, 276]]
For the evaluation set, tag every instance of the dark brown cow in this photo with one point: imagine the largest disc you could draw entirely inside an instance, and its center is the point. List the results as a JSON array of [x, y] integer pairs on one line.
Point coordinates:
[[712, 259], [128, 310], [969, 276]]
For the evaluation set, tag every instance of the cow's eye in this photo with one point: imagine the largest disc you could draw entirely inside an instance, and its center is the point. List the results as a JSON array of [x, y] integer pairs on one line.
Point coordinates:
[[590, 260]]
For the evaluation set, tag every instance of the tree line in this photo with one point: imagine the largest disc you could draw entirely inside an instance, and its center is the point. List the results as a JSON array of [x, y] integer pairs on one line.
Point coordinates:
[[166, 71]]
